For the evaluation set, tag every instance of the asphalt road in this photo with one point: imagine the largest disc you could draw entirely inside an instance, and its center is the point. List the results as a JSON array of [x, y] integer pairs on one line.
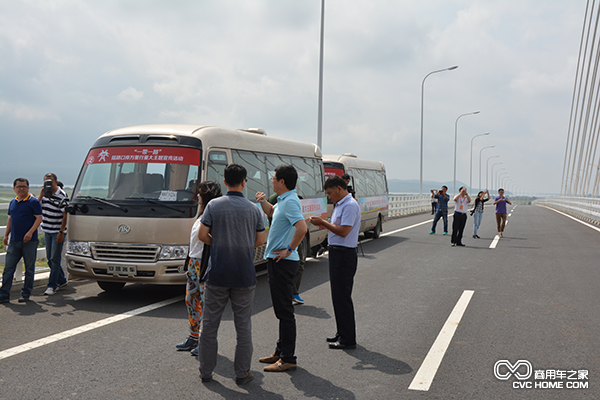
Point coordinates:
[[533, 298]]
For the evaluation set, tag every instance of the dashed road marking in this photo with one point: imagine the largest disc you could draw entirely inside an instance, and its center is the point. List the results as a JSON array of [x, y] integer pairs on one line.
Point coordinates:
[[85, 328], [426, 373]]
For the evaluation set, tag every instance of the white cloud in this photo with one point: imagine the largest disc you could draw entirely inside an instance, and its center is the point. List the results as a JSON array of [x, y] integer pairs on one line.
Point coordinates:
[[130, 94]]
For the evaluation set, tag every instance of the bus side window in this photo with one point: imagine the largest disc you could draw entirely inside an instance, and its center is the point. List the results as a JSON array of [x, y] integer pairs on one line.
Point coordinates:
[[217, 161], [272, 161], [306, 185], [255, 167]]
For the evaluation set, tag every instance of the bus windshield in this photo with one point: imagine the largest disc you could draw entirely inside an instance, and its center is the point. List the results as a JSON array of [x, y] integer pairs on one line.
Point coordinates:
[[163, 174]]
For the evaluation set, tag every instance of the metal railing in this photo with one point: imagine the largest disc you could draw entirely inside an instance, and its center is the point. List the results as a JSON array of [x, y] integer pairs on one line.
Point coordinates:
[[587, 209], [403, 205]]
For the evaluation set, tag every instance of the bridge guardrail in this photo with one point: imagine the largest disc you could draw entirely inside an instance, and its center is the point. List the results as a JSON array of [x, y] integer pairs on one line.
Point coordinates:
[[585, 208], [403, 205]]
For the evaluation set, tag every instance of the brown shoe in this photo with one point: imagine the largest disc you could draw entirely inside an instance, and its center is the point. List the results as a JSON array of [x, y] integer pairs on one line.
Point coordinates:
[[280, 366], [273, 358]]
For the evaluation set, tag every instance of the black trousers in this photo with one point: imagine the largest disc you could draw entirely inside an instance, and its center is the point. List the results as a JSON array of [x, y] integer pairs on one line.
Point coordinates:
[[342, 268], [458, 226], [281, 281]]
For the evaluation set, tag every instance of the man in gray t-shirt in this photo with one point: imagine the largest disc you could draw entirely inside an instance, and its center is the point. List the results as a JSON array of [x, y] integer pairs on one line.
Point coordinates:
[[234, 227]]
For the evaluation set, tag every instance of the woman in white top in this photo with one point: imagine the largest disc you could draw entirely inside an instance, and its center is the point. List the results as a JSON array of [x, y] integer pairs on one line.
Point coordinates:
[[194, 293], [461, 204]]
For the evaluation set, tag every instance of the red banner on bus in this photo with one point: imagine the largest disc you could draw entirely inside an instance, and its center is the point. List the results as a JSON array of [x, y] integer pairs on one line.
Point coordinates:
[[161, 155], [329, 172]]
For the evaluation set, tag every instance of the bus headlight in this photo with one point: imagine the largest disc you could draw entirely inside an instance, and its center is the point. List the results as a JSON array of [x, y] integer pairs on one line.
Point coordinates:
[[79, 248], [174, 252]]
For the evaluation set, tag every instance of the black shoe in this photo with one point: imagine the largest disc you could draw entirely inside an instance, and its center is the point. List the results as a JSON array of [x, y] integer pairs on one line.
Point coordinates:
[[187, 345], [194, 352], [460, 244], [23, 299], [340, 346], [333, 339]]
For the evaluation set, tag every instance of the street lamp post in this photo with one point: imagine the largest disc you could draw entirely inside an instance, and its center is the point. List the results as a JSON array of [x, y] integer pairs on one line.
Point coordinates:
[[487, 169], [471, 164], [498, 177], [422, 95], [455, 140], [492, 176], [481, 151], [320, 113]]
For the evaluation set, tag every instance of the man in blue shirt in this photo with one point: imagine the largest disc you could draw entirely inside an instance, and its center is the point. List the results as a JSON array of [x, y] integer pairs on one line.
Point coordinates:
[[343, 259], [285, 234], [442, 208], [233, 227], [24, 217]]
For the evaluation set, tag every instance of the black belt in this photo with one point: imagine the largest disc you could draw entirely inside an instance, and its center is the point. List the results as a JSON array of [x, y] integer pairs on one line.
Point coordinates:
[[341, 248]]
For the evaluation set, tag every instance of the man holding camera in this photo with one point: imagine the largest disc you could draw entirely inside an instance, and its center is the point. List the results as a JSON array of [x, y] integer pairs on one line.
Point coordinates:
[[442, 208], [54, 225]]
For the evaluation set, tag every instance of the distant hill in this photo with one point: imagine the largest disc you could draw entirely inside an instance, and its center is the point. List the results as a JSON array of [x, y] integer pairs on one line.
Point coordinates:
[[411, 186]]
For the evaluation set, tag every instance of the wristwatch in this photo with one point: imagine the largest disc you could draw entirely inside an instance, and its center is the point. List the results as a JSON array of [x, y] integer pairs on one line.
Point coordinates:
[[290, 249]]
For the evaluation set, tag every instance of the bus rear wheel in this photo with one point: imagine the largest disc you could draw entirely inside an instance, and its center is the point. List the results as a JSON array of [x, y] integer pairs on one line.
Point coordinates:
[[303, 249], [111, 286], [376, 232]]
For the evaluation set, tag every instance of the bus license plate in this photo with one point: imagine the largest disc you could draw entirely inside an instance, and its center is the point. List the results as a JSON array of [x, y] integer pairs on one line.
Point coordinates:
[[121, 270]]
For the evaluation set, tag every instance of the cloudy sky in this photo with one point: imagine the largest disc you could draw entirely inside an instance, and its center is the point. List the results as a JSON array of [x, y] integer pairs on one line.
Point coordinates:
[[72, 70]]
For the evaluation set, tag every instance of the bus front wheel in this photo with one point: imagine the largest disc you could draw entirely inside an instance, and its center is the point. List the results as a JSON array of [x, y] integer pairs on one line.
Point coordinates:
[[111, 286]]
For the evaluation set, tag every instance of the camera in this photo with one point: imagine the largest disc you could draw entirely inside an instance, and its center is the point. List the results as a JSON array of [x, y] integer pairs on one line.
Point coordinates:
[[48, 192]]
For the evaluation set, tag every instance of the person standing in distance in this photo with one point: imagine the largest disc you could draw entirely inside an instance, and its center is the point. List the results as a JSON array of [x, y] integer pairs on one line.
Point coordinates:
[[233, 227], [461, 204], [442, 208], [500, 203], [54, 226], [477, 212], [24, 217], [287, 231], [343, 259]]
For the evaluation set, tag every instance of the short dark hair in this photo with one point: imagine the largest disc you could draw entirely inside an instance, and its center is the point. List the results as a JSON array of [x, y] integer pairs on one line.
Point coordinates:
[[334, 181], [444, 186], [20, 180], [235, 174], [52, 175], [346, 176], [209, 190], [289, 175], [500, 190]]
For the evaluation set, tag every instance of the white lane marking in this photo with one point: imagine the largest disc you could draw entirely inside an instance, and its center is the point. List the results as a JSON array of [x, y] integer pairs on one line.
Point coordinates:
[[573, 218], [495, 242], [85, 328], [427, 371]]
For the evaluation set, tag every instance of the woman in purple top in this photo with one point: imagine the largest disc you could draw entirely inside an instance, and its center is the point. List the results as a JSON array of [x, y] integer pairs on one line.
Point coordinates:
[[500, 203]]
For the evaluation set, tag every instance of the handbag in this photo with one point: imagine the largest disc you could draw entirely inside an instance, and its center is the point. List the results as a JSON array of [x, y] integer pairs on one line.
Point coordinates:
[[204, 262]]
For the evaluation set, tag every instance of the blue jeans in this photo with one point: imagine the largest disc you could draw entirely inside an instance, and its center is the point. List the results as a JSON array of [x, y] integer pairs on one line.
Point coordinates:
[[476, 221], [14, 252], [440, 214], [54, 254]]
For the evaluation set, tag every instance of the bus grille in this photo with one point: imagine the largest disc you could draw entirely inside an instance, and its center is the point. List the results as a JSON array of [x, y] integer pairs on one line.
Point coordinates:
[[125, 252]]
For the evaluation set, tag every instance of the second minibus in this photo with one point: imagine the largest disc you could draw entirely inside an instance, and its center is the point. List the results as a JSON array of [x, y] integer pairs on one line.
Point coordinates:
[[368, 180]]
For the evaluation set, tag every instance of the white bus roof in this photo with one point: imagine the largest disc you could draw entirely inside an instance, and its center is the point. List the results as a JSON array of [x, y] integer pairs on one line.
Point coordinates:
[[351, 161], [252, 139]]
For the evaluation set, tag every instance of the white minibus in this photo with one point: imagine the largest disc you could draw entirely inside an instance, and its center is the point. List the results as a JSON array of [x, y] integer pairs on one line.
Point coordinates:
[[369, 183], [134, 202]]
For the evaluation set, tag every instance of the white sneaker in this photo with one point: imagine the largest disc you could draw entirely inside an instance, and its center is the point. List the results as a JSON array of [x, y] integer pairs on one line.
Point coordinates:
[[49, 292]]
